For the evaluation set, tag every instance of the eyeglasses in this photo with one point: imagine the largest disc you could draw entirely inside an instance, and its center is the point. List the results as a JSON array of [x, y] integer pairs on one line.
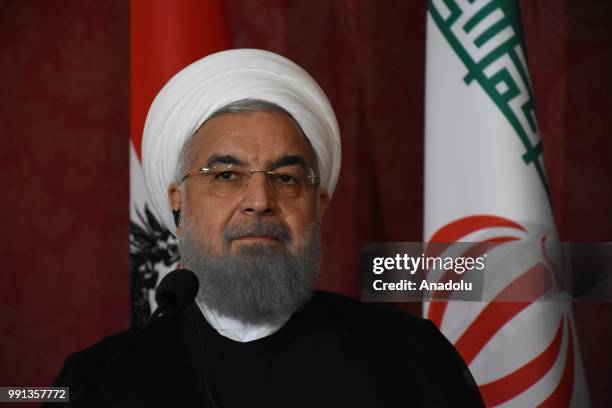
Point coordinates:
[[228, 179]]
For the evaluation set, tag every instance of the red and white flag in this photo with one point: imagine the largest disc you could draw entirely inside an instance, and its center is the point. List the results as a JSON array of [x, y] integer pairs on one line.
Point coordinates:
[[485, 182], [165, 36]]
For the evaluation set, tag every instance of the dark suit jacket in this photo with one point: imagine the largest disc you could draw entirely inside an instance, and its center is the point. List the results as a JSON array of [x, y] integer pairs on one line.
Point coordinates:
[[337, 352]]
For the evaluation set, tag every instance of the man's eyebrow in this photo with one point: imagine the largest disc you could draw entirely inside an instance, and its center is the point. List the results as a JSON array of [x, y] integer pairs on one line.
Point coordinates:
[[291, 160], [223, 159]]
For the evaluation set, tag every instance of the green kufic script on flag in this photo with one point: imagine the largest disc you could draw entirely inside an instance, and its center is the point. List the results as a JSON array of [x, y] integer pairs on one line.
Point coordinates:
[[487, 37]]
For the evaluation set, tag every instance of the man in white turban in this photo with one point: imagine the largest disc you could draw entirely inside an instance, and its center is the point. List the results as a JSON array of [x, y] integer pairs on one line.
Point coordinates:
[[241, 155]]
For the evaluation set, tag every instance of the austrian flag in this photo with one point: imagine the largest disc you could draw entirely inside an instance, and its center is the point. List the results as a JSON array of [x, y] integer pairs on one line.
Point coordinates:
[[165, 36]]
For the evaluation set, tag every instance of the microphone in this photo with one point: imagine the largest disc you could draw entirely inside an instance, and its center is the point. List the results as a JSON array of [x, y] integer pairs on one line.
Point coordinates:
[[175, 292]]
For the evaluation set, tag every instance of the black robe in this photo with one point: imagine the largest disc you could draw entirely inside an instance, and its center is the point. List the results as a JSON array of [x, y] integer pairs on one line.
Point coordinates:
[[335, 352]]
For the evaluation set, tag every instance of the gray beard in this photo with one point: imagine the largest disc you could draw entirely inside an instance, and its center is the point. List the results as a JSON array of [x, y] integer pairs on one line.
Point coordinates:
[[259, 284]]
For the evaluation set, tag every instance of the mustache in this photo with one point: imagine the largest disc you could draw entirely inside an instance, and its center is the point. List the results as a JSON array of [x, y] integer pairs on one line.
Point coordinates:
[[274, 229]]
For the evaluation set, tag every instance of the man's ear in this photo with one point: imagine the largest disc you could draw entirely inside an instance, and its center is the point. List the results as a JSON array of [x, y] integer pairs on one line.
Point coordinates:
[[175, 199], [323, 201]]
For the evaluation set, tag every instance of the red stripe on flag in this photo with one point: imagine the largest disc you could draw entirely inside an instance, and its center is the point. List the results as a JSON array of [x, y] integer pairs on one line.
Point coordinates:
[[455, 230], [508, 387], [562, 395], [436, 308], [165, 36], [436, 312], [496, 314]]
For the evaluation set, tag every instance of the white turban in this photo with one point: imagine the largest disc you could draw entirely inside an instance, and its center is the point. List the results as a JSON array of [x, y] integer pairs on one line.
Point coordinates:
[[217, 80]]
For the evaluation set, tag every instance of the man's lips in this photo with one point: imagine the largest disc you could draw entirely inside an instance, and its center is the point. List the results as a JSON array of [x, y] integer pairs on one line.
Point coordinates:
[[257, 239]]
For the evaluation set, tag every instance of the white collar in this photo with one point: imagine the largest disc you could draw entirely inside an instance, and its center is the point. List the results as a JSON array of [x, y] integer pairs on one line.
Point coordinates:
[[236, 330]]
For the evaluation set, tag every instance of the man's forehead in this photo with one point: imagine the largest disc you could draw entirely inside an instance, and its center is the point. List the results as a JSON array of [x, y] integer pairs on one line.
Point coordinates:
[[282, 161], [263, 137]]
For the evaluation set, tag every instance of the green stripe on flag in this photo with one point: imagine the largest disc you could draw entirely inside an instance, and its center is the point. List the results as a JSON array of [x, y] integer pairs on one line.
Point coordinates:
[[493, 70]]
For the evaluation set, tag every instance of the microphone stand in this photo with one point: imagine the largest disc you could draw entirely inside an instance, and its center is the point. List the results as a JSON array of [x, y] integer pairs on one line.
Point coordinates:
[[164, 311]]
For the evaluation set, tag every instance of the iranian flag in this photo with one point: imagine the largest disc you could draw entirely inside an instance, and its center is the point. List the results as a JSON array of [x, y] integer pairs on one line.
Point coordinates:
[[165, 36], [485, 182]]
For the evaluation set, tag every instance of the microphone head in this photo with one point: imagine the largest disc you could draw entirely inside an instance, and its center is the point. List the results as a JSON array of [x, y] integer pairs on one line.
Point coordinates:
[[177, 289]]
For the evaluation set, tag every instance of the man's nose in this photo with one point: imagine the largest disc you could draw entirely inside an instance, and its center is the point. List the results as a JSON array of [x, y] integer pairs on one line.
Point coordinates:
[[258, 197]]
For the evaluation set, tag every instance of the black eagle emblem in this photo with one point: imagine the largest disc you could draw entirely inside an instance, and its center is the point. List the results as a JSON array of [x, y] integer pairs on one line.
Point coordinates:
[[151, 244]]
